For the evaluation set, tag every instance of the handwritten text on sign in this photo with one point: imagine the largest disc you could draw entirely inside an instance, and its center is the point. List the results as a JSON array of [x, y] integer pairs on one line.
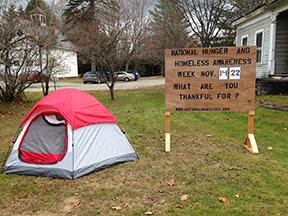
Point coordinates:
[[210, 79]]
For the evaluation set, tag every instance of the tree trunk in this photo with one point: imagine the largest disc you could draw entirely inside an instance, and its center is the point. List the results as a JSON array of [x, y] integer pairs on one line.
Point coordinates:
[[112, 93], [47, 86], [111, 87], [41, 70], [127, 64], [93, 65]]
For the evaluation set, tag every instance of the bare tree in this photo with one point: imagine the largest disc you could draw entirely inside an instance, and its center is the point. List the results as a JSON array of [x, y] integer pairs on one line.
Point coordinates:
[[89, 13], [51, 58], [26, 47], [205, 18], [18, 49], [108, 45], [108, 39], [136, 31]]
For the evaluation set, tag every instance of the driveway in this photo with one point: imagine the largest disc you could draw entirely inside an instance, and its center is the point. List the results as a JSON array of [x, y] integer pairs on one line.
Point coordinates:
[[143, 82]]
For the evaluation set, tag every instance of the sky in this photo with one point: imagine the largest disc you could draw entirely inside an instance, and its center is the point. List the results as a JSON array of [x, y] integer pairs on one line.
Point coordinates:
[[57, 6]]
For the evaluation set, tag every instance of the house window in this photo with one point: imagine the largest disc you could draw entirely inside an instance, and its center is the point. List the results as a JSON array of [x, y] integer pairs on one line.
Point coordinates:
[[245, 41], [259, 44]]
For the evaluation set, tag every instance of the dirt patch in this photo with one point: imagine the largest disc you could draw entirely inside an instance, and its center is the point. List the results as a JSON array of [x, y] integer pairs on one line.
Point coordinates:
[[270, 105]]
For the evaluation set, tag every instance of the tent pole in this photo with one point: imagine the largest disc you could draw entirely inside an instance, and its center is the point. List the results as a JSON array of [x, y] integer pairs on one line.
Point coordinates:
[[122, 129], [10, 147], [73, 143]]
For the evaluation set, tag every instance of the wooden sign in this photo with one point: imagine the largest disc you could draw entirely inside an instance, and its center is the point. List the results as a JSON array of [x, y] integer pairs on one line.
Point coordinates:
[[210, 79], [214, 79]]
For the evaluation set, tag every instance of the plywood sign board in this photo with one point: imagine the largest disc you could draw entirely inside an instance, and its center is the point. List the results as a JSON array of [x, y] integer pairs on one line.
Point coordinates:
[[210, 79]]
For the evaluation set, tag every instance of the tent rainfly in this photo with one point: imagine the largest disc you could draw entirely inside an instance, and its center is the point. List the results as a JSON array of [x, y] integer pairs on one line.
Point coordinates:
[[68, 134]]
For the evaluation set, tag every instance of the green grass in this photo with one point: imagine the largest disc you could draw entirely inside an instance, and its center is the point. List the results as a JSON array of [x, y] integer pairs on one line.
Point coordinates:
[[209, 167], [279, 99]]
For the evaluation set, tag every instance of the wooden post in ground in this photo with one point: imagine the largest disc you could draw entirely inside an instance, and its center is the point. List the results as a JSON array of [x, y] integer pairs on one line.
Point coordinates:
[[167, 135], [250, 142]]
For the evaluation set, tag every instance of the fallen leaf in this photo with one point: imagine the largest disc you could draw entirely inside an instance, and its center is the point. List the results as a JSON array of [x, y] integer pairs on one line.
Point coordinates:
[[162, 201], [115, 198], [76, 204], [231, 168], [270, 148], [207, 154], [223, 199], [148, 213], [160, 132], [140, 135], [237, 195], [126, 205], [116, 208], [184, 197], [209, 136], [171, 182], [179, 206], [180, 154]]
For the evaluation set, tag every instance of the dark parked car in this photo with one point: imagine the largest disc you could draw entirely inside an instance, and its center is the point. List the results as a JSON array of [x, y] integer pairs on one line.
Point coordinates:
[[136, 74], [95, 77], [36, 76]]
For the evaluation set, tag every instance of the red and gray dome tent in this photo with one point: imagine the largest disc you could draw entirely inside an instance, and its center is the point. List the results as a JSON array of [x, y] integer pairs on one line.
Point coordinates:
[[68, 134]]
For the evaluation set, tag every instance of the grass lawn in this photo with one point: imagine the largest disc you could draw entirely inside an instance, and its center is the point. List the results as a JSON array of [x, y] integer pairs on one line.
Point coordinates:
[[202, 167]]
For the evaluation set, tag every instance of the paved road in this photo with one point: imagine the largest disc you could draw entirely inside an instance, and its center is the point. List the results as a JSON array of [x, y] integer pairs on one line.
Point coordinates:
[[143, 82]]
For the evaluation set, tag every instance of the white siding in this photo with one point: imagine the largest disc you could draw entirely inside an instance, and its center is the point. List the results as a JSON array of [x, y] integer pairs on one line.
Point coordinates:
[[68, 66], [250, 28]]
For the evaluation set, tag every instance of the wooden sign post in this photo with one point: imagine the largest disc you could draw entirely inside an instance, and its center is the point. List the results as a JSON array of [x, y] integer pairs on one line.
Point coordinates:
[[215, 79], [250, 142]]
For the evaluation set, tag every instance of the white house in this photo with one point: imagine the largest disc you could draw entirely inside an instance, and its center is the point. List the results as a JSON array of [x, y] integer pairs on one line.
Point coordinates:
[[267, 28], [64, 49]]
